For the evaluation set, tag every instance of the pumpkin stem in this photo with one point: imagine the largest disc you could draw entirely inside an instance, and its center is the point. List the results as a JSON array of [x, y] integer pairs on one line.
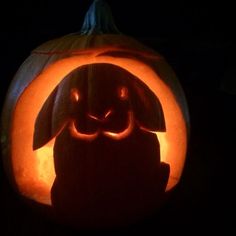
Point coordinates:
[[99, 20]]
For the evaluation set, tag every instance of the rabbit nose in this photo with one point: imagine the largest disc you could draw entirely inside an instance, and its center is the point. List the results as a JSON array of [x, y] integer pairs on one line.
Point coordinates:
[[102, 118]]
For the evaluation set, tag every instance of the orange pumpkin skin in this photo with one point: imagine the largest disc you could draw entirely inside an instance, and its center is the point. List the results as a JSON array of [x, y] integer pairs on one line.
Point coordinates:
[[31, 169]]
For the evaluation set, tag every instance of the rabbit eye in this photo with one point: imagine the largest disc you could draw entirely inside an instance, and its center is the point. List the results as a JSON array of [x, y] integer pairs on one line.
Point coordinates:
[[74, 95], [123, 93]]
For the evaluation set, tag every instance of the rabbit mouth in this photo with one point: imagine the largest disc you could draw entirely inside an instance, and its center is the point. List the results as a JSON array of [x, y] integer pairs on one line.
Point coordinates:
[[113, 135]]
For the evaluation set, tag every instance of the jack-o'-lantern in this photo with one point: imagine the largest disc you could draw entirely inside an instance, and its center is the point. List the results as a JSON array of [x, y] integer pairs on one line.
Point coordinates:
[[95, 126]]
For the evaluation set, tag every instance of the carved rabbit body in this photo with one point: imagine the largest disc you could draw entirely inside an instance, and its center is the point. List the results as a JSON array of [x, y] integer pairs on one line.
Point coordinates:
[[106, 154]]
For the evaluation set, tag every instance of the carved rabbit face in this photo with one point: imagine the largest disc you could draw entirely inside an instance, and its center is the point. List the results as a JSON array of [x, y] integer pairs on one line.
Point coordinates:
[[98, 99]]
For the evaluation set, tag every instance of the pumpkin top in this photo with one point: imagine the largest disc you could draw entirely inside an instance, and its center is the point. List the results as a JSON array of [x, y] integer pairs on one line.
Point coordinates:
[[98, 30], [99, 20]]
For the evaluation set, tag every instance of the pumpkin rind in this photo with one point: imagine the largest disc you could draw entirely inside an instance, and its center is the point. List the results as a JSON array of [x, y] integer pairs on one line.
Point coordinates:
[[32, 85]]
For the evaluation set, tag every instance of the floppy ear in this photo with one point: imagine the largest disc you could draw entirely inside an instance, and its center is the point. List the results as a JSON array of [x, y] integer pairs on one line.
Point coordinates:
[[53, 115], [43, 123], [146, 107]]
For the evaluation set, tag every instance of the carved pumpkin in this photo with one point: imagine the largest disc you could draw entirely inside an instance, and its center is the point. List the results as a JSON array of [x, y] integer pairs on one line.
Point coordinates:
[[95, 126]]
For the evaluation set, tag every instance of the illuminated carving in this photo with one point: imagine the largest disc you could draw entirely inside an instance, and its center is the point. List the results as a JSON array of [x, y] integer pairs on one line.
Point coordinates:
[[123, 93], [101, 116], [76, 134], [125, 133], [74, 94], [95, 126], [114, 135], [99, 112], [35, 182]]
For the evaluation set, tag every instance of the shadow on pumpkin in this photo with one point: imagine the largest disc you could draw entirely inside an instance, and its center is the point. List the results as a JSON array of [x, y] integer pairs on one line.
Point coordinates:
[[106, 154]]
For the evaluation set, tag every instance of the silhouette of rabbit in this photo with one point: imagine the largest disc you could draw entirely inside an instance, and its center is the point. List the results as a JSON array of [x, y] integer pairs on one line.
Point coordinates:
[[106, 154]]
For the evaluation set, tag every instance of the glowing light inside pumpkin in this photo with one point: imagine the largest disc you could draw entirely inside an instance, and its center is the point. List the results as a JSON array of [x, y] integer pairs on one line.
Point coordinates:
[[46, 172], [74, 95], [108, 113], [125, 133], [113, 135], [76, 134], [164, 145], [31, 168], [123, 93]]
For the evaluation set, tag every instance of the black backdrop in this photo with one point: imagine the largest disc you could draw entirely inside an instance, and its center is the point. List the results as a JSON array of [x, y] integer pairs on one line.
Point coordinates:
[[197, 40]]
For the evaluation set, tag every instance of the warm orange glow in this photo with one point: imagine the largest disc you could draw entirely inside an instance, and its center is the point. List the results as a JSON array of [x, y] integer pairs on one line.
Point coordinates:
[[31, 167], [76, 134], [162, 137], [74, 95], [125, 133], [45, 168], [46, 173], [123, 93], [108, 113], [113, 135]]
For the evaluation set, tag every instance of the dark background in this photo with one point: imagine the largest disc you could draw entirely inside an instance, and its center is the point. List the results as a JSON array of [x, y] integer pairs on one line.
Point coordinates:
[[197, 40]]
